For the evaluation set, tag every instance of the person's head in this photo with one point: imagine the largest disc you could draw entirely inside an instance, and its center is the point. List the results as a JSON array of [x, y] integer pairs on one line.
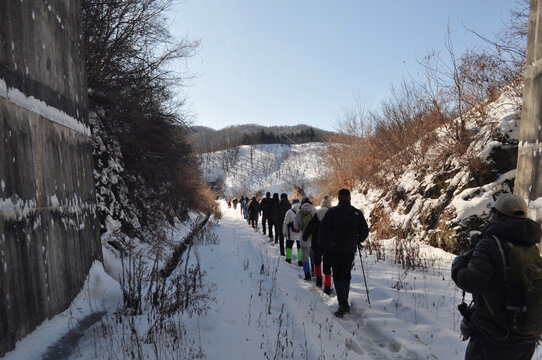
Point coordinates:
[[254, 198], [344, 195], [295, 201], [326, 201], [268, 194], [284, 196], [510, 205], [305, 199], [295, 206], [276, 196]]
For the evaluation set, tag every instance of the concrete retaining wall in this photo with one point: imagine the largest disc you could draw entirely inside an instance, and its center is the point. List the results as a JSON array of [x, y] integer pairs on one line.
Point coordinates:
[[48, 224], [528, 182]]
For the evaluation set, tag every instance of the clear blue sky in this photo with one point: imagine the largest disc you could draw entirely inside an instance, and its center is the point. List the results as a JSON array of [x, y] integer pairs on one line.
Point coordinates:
[[287, 62]]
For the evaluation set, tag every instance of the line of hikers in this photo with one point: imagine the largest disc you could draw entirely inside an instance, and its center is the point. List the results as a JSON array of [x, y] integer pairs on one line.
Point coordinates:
[[503, 268], [326, 238]]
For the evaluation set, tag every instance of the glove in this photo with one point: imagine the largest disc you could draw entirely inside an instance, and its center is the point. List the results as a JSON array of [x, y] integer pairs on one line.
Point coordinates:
[[360, 247]]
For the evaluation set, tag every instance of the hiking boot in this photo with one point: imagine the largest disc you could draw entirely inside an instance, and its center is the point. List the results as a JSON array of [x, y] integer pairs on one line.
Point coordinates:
[[300, 263], [308, 276], [289, 261], [319, 281], [341, 312], [327, 290]]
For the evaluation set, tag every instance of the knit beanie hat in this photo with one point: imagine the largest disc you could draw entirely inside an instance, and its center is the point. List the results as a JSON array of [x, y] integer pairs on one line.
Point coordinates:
[[326, 201], [295, 201], [305, 199], [511, 205]]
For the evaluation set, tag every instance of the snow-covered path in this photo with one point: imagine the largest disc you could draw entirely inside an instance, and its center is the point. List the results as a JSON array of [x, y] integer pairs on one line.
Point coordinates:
[[265, 309]]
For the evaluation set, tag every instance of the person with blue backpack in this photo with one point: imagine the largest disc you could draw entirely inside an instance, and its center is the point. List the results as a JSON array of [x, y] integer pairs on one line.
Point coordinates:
[[503, 271]]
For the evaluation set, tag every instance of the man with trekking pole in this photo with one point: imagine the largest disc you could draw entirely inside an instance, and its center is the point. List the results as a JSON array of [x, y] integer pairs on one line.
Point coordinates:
[[342, 230]]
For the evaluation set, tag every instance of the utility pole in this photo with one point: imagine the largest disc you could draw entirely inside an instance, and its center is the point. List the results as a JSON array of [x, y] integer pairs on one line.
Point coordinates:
[[528, 183]]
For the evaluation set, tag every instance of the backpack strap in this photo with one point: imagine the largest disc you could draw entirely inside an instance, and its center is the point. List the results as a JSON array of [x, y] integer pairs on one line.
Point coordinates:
[[506, 272]]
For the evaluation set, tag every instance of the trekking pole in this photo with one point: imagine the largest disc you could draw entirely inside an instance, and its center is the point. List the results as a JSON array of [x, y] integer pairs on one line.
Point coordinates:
[[363, 271]]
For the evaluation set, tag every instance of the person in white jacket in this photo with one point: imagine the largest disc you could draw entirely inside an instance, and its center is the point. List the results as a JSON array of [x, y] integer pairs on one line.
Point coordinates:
[[302, 219], [290, 233]]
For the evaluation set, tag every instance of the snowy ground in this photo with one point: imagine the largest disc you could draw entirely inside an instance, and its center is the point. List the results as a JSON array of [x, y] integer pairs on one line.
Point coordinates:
[[263, 309]]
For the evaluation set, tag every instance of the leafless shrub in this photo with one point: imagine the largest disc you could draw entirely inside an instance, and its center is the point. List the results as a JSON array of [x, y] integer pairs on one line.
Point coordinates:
[[151, 320]]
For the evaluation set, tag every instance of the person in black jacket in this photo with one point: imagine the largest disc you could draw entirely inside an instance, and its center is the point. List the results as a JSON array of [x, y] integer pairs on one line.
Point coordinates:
[[312, 230], [480, 271], [254, 212], [342, 230], [279, 212], [272, 217], [265, 206]]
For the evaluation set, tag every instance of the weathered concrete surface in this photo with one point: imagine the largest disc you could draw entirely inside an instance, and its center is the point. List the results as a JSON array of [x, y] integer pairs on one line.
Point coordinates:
[[49, 231], [528, 182]]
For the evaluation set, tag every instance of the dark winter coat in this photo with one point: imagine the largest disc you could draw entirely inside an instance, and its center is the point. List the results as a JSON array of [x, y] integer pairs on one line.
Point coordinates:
[[343, 228], [265, 205], [273, 209], [313, 228], [480, 271], [280, 211], [254, 208]]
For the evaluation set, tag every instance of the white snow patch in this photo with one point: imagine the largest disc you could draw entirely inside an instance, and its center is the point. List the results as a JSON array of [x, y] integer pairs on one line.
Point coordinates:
[[53, 200], [41, 108], [100, 293]]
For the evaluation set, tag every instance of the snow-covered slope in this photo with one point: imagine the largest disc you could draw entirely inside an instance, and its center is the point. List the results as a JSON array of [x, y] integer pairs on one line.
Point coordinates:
[[442, 201], [247, 169]]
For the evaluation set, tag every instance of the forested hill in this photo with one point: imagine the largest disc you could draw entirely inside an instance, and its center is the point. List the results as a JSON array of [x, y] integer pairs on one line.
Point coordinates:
[[206, 139]]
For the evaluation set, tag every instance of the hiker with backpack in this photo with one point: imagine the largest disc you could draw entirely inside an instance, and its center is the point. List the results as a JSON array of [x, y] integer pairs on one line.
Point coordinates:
[[292, 235], [265, 206], [279, 214], [254, 212], [503, 271], [342, 230], [317, 254], [301, 221], [245, 210]]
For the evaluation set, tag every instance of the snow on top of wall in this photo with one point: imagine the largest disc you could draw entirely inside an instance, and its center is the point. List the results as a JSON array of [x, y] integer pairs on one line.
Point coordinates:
[[30, 103]]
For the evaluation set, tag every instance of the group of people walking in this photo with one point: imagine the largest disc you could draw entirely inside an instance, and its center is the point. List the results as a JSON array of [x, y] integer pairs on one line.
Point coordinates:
[[326, 238]]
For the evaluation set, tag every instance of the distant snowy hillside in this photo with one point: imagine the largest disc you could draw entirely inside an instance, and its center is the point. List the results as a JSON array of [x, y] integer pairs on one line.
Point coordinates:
[[247, 169]]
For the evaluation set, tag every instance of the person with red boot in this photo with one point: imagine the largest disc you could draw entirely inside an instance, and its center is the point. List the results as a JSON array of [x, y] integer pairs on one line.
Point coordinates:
[[317, 253], [342, 230]]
